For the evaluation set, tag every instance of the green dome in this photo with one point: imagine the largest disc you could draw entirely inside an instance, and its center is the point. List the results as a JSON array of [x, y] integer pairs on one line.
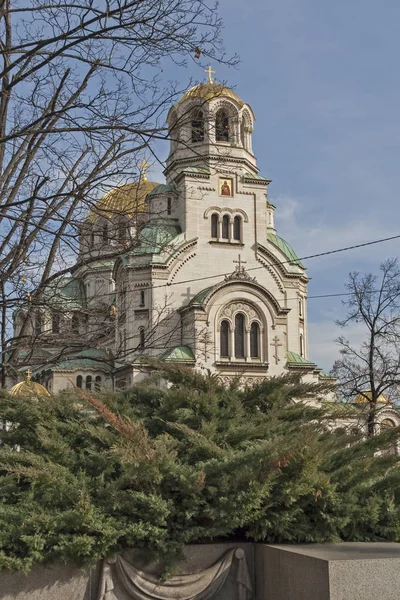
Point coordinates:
[[153, 238], [285, 248]]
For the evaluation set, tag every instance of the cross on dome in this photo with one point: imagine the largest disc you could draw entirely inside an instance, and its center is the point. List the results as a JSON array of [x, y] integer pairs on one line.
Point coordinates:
[[143, 169], [210, 72]]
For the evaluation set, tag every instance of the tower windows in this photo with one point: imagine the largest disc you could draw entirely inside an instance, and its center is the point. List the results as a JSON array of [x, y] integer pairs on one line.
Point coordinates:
[[198, 127], [255, 340], [214, 225], [301, 315], [222, 126], [224, 339], [225, 227], [89, 382], [239, 336], [105, 233], [38, 323], [301, 341], [142, 299], [55, 322], [226, 224], [169, 206], [75, 323], [237, 228], [122, 232], [79, 381], [141, 338], [97, 383]]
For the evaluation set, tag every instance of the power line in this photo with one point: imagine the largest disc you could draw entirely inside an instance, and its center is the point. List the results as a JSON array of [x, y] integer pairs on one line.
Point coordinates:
[[326, 253]]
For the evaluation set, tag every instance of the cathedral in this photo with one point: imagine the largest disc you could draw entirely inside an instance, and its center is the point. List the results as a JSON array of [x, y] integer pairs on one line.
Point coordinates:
[[190, 270]]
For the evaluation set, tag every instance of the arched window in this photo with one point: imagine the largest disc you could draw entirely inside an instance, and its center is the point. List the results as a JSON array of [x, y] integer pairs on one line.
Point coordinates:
[[225, 227], [97, 383], [38, 323], [222, 126], [141, 338], [142, 298], [239, 336], [89, 382], [198, 127], [122, 232], [55, 322], [224, 339], [105, 232], [169, 206], [79, 381], [237, 228], [300, 307], [387, 424], [255, 340], [214, 225], [92, 238], [301, 345], [75, 323]]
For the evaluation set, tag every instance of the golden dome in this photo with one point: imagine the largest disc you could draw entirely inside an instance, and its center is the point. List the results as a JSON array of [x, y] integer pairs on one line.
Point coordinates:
[[207, 91], [365, 397], [127, 199], [28, 388]]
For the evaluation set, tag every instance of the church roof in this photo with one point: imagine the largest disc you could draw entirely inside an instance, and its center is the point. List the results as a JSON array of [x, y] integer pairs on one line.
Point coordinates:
[[66, 292], [161, 188], [285, 248], [200, 296], [295, 360], [365, 397], [91, 358], [128, 199], [154, 237], [208, 91], [180, 354]]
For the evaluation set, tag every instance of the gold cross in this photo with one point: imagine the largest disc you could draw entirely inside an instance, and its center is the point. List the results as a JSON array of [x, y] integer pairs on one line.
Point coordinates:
[[143, 166], [28, 375], [209, 71]]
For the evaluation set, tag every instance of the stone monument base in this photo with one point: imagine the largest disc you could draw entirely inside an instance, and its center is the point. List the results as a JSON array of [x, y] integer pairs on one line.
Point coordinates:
[[346, 571]]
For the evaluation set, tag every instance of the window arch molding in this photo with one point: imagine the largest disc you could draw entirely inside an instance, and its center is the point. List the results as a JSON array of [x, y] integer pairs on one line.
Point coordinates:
[[231, 114], [232, 212], [197, 125], [246, 129]]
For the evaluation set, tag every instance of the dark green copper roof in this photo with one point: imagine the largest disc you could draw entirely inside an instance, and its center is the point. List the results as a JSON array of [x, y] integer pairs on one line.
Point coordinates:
[[154, 238], [285, 248], [295, 359], [161, 189], [179, 354]]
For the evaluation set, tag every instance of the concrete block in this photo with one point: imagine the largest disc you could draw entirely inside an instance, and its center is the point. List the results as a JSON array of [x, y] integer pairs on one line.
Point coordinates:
[[346, 571]]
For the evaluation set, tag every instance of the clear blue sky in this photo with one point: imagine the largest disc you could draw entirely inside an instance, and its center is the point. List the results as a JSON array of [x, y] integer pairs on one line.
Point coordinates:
[[323, 80]]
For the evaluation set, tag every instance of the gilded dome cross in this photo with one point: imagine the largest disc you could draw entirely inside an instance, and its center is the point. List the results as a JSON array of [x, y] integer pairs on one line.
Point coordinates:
[[143, 166], [210, 72]]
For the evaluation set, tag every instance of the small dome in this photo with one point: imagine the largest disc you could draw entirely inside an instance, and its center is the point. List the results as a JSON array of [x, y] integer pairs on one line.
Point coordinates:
[[208, 91], [127, 199], [29, 389], [365, 397]]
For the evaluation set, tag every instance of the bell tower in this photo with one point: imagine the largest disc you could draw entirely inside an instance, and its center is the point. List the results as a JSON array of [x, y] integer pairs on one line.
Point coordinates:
[[210, 127]]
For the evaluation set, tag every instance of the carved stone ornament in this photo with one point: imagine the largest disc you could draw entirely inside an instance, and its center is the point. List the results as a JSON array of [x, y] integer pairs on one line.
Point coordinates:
[[241, 274], [202, 585], [234, 307]]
